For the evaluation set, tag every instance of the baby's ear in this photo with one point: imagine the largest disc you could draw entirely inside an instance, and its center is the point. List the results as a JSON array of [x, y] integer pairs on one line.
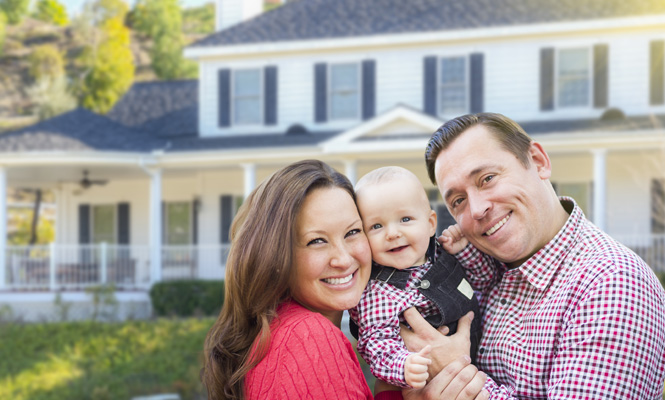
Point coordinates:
[[432, 221]]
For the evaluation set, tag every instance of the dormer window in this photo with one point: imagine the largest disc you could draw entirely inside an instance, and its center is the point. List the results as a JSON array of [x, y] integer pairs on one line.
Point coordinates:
[[574, 78], [453, 86], [344, 91], [247, 96]]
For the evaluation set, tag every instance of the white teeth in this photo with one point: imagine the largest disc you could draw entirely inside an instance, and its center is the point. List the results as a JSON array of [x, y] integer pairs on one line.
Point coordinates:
[[338, 281], [497, 226]]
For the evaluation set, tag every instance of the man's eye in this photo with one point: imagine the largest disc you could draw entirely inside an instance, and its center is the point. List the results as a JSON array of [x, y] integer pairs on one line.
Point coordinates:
[[352, 232], [488, 178], [406, 219], [316, 241], [457, 201]]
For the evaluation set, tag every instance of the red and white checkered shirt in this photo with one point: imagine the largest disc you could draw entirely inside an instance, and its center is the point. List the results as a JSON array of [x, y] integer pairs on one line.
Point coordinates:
[[583, 318], [378, 315]]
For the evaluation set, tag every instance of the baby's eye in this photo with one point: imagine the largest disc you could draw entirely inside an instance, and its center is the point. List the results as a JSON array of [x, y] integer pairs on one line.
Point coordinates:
[[316, 241], [352, 232], [406, 219], [375, 226]]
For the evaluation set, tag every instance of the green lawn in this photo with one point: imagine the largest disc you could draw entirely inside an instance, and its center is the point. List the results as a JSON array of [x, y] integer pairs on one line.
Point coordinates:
[[101, 361]]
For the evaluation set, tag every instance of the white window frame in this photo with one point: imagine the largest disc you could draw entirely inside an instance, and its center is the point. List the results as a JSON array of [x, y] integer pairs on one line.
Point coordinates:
[[115, 222], [589, 76], [358, 91], [261, 96], [166, 237], [440, 86]]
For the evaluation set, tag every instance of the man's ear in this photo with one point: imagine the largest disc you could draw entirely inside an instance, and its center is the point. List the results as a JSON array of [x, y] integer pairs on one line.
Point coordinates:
[[540, 160]]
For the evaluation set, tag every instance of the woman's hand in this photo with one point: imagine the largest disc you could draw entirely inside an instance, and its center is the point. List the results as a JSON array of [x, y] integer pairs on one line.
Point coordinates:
[[460, 380], [445, 349]]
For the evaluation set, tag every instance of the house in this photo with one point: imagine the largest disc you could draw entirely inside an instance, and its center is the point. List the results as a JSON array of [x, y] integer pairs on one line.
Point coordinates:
[[359, 84]]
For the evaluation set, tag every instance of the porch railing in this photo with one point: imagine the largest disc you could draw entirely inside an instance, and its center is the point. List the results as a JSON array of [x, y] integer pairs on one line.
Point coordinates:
[[75, 267]]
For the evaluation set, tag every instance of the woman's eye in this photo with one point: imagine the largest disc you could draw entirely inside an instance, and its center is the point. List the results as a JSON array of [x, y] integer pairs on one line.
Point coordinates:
[[406, 219], [316, 241], [375, 226], [352, 232]]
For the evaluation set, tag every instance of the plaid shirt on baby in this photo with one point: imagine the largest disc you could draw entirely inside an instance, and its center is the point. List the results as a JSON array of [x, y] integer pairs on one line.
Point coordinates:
[[378, 315], [583, 318]]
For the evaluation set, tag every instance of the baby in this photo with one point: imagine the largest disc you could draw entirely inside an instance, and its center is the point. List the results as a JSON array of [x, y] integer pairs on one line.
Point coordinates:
[[409, 270]]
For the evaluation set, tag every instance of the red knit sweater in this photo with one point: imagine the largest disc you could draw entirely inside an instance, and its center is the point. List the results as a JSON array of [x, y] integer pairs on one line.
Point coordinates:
[[308, 358]]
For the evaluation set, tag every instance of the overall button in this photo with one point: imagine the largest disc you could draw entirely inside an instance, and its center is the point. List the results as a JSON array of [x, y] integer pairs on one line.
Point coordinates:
[[424, 284]]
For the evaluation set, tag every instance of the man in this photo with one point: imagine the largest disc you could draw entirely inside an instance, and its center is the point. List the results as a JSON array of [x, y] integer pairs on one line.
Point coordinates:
[[567, 312]]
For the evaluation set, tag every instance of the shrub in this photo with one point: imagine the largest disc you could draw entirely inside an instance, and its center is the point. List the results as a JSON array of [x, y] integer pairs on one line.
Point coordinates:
[[187, 297]]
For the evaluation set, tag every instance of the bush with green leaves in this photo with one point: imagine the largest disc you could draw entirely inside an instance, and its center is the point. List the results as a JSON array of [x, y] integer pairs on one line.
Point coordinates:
[[187, 297], [51, 11], [15, 10]]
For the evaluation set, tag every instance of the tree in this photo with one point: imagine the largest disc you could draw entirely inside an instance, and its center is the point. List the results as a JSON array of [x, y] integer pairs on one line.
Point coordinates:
[[161, 20], [51, 97], [3, 25], [46, 62], [51, 11], [106, 60], [15, 10], [199, 19]]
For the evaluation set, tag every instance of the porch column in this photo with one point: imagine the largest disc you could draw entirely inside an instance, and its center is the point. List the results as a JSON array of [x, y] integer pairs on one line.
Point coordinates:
[[155, 225], [599, 186], [250, 178], [351, 170], [3, 226]]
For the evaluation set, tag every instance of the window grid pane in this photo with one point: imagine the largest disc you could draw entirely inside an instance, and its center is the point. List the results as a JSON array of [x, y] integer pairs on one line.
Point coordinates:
[[103, 224], [178, 223], [247, 96], [453, 91], [344, 91], [574, 80]]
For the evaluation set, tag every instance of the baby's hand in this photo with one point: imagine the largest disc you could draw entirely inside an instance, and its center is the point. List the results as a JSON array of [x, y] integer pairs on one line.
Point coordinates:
[[453, 240], [415, 368]]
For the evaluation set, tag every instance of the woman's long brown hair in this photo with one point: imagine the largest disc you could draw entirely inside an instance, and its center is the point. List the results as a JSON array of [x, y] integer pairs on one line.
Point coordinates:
[[258, 270]]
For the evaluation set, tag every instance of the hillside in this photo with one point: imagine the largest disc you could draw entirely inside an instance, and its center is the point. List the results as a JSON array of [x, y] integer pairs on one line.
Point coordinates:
[[16, 107]]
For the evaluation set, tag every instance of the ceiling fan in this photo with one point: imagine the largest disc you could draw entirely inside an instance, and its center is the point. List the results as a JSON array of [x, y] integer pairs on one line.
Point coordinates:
[[87, 182]]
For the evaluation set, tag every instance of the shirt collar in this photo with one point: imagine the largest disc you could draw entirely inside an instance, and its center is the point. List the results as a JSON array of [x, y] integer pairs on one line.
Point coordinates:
[[540, 268]]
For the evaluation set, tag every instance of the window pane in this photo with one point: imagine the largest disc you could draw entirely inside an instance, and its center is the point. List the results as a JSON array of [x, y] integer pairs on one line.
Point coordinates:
[[247, 96], [103, 224], [178, 223], [573, 78], [247, 111], [344, 91], [578, 191], [453, 91], [658, 206]]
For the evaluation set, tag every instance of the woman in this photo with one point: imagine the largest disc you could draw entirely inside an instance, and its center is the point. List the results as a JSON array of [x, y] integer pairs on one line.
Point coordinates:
[[298, 259]]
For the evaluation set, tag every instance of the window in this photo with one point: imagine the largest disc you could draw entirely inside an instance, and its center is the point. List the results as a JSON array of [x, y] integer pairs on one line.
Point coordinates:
[[178, 223], [582, 193], [247, 105], [344, 91], [453, 86], [574, 77], [103, 223]]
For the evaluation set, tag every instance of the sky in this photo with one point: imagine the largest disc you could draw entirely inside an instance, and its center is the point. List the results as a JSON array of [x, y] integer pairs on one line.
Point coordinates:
[[75, 6]]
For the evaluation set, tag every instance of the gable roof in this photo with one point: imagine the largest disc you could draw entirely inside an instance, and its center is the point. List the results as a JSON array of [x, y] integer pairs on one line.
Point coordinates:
[[326, 19], [79, 129]]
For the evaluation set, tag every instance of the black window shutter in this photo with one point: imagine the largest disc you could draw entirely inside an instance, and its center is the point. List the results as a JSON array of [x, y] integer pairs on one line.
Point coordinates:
[[429, 85], [657, 73], [369, 88], [224, 97], [657, 206], [320, 92], [84, 223], [547, 79], [270, 100], [226, 217], [123, 223], [477, 82], [600, 75]]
